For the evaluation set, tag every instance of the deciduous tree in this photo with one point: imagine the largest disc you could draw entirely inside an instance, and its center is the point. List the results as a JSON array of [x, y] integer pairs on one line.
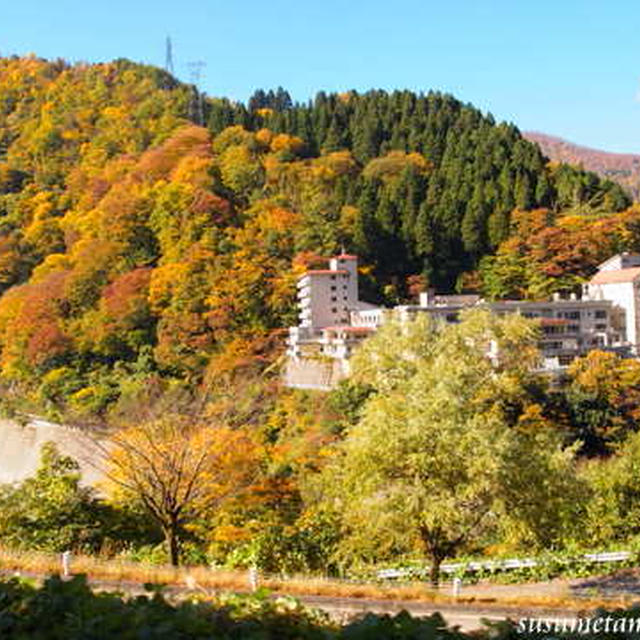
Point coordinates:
[[431, 459], [179, 469]]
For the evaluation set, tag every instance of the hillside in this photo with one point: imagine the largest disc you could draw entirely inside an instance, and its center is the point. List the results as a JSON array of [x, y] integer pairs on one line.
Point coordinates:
[[140, 251], [623, 168], [150, 244]]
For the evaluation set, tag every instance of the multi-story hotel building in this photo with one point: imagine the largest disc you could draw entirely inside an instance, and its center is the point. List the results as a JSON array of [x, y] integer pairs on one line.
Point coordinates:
[[333, 321]]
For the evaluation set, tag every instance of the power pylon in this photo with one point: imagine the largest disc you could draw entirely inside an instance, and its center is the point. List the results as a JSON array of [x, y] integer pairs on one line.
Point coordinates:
[[168, 64], [197, 105]]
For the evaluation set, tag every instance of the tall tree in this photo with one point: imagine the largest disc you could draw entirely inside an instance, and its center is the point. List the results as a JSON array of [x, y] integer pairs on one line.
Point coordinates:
[[430, 461]]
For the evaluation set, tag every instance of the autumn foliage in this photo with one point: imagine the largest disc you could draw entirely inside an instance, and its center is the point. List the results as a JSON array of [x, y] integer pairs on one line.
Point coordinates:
[[138, 249]]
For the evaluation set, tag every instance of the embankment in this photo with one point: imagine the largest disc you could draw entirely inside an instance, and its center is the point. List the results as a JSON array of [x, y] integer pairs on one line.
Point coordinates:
[[20, 449]]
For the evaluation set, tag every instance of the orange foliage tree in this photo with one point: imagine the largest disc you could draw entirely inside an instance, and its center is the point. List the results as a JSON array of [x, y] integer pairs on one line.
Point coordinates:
[[179, 469], [548, 253], [603, 394]]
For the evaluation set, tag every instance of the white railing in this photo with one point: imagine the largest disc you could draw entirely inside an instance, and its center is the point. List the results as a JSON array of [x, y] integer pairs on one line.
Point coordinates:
[[499, 565]]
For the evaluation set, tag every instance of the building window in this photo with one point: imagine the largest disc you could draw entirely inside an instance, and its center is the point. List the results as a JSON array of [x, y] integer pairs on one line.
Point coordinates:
[[552, 330], [572, 315], [334, 310], [601, 314], [573, 328], [333, 277], [333, 287], [601, 327], [333, 298]]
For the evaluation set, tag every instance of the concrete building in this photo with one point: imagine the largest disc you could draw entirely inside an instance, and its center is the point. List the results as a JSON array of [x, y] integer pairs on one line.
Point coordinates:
[[569, 328], [326, 295], [618, 280], [333, 321], [320, 346]]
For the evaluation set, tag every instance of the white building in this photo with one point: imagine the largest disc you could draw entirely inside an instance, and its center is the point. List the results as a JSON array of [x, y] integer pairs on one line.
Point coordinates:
[[333, 321], [320, 346], [618, 280], [326, 295]]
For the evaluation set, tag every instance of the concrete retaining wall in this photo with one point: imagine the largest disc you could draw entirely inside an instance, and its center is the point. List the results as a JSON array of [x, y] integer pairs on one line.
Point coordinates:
[[20, 449], [312, 373]]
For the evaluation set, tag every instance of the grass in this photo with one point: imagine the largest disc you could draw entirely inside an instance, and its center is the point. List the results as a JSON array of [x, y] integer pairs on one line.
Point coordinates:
[[125, 573]]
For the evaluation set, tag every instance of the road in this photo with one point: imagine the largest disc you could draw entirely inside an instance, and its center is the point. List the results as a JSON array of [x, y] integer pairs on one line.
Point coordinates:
[[468, 617]]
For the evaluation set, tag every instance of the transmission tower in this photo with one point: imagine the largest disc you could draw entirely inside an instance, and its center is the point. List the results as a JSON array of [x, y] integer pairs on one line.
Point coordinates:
[[197, 105], [168, 65]]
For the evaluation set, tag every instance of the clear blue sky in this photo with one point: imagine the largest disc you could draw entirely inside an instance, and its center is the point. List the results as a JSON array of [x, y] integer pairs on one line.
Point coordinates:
[[564, 67]]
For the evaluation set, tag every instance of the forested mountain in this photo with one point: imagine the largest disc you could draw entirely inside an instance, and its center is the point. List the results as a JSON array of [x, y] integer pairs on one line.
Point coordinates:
[[623, 168], [137, 246], [438, 211]]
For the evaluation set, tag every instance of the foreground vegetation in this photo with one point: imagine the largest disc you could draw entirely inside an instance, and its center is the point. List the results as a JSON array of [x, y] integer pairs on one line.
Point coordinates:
[[70, 610]]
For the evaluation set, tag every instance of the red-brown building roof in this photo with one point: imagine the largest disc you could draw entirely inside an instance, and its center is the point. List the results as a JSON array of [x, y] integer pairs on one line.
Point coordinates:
[[552, 322], [617, 276], [317, 272]]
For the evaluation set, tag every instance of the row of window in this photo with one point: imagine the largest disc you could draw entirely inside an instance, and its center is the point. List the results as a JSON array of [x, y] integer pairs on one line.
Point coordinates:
[[571, 328], [599, 314]]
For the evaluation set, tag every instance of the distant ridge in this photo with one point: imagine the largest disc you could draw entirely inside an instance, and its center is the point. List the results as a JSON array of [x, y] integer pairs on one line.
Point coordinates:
[[623, 168]]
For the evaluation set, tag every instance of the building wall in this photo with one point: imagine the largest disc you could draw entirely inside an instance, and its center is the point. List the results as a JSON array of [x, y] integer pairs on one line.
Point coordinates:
[[325, 299], [620, 261], [625, 296], [349, 264], [321, 374]]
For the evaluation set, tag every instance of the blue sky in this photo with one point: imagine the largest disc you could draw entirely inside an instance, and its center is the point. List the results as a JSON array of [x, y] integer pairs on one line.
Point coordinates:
[[565, 67]]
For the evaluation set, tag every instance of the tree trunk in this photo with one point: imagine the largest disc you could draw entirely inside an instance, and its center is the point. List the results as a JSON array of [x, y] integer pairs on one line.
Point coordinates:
[[434, 571], [173, 543]]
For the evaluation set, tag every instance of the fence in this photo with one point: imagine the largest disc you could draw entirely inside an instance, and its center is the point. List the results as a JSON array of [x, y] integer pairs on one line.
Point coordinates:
[[499, 565]]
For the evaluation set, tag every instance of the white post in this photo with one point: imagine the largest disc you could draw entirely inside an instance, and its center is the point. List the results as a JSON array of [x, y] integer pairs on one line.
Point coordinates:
[[66, 563], [457, 583], [253, 579]]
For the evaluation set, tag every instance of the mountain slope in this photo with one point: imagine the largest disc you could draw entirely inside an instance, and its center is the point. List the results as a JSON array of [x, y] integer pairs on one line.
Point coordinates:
[[140, 251], [623, 168]]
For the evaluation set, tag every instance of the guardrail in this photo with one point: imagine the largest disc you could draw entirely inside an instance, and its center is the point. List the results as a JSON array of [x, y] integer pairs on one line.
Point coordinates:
[[498, 565]]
